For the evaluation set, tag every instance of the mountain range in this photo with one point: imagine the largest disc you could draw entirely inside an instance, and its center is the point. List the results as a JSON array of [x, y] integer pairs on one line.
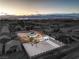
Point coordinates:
[[50, 16]]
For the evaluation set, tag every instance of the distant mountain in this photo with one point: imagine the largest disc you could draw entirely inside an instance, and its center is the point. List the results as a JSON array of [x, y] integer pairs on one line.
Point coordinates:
[[56, 16], [50, 17]]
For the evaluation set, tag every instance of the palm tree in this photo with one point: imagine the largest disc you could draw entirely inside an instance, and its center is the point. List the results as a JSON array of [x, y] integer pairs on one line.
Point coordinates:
[[34, 40], [31, 40]]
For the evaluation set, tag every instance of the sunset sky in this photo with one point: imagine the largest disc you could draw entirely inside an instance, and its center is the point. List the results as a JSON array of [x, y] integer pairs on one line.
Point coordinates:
[[33, 7]]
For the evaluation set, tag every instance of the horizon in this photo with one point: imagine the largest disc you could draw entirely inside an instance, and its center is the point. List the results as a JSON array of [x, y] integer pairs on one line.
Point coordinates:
[[5, 14]]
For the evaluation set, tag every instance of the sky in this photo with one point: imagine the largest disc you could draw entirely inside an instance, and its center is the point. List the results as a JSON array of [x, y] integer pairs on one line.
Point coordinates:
[[34, 7]]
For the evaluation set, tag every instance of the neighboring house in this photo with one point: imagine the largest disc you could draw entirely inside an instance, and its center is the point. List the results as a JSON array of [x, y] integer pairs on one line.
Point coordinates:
[[1, 46], [13, 45]]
